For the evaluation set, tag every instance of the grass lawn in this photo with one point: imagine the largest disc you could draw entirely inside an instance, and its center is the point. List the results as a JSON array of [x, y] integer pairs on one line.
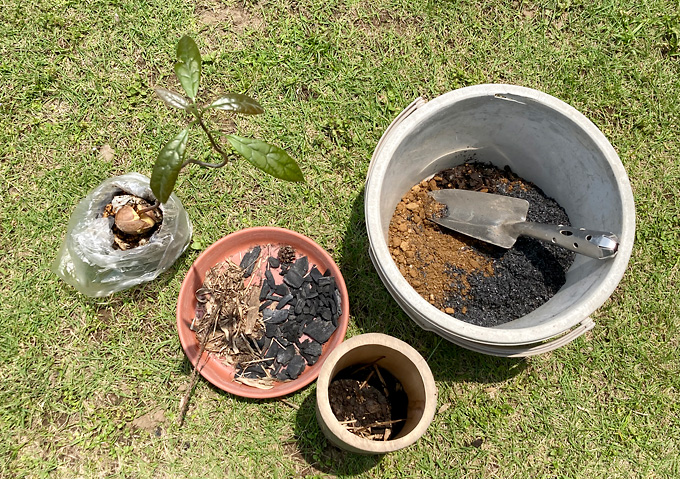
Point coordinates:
[[91, 387]]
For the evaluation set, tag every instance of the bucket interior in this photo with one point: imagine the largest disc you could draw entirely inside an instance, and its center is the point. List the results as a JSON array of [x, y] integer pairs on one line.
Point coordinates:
[[542, 140]]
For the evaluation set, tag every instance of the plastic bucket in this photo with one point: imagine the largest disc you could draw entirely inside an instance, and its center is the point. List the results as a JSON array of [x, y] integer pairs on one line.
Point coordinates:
[[543, 140]]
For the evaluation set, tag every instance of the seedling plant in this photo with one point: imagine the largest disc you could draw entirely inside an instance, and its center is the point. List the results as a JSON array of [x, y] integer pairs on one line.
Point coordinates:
[[173, 156]]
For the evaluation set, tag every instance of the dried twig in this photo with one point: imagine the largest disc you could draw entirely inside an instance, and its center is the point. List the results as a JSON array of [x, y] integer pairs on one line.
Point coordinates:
[[363, 385], [288, 403], [184, 403]]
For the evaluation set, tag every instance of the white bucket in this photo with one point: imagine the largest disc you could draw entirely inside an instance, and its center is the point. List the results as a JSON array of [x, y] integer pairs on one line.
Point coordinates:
[[543, 140]]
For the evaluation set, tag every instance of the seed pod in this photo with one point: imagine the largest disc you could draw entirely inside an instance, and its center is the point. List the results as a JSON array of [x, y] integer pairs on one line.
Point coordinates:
[[128, 221]]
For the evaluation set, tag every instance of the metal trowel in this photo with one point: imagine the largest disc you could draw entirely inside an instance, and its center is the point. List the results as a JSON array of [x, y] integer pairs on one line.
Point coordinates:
[[500, 220]]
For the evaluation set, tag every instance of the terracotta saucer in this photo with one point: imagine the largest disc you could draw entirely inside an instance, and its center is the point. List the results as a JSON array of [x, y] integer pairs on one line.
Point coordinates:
[[234, 246]]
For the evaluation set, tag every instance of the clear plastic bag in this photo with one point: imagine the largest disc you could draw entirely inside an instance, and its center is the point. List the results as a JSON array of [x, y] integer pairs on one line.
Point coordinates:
[[87, 259]]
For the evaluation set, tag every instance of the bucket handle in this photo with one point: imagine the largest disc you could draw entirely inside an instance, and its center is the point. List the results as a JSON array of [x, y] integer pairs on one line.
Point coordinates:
[[415, 104]]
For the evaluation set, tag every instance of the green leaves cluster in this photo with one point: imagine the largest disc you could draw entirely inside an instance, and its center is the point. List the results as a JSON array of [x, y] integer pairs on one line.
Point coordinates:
[[172, 157]]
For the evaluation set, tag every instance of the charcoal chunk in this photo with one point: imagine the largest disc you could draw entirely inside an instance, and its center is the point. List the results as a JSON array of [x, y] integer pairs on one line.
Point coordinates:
[[271, 330], [265, 305], [284, 301], [310, 350], [282, 375], [315, 274], [248, 261], [285, 355], [281, 290], [276, 369], [313, 291], [270, 279], [291, 331], [295, 367], [319, 330], [277, 316], [299, 306], [293, 279], [300, 266], [254, 371], [274, 262], [326, 314], [264, 291], [273, 350]]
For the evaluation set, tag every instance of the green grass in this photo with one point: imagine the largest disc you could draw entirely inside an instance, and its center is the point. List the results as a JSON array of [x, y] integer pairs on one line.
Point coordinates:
[[79, 376]]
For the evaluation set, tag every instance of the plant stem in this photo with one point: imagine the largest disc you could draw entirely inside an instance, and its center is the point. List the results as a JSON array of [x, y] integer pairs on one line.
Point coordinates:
[[213, 143], [154, 206], [203, 163]]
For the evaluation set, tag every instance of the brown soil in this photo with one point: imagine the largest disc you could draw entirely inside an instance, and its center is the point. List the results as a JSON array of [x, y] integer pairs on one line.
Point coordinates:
[[420, 249], [470, 279], [369, 402]]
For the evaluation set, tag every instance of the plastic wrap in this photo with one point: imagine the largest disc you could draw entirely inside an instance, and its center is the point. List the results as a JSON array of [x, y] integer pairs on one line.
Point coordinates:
[[87, 259]]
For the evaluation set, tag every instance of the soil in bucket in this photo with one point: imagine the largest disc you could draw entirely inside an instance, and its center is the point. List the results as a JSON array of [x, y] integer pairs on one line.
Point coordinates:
[[369, 402], [472, 280]]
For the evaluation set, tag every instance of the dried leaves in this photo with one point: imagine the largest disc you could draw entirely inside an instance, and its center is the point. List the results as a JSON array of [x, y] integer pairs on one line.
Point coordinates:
[[227, 317]]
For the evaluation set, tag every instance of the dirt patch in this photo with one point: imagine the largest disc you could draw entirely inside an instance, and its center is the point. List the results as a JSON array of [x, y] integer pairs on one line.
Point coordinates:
[[469, 279], [217, 14], [150, 421], [421, 249]]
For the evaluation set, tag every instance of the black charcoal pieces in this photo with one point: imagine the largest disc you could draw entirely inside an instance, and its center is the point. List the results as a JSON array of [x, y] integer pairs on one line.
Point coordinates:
[[295, 367], [271, 330], [319, 330], [274, 262], [300, 266], [254, 371], [315, 274], [270, 279], [275, 316], [304, 304], [283, 356], [284, 301], [249, 260], [310, 350], [293, 279]]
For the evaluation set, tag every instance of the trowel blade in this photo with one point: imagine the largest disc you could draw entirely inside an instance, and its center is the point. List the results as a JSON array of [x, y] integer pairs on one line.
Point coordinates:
[[483, 216]]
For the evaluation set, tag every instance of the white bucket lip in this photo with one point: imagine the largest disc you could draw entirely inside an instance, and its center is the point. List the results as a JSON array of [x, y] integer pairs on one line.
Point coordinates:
[[498, 335]]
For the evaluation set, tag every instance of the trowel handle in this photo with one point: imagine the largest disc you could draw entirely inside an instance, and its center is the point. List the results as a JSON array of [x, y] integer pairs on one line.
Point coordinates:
[[595, 244]]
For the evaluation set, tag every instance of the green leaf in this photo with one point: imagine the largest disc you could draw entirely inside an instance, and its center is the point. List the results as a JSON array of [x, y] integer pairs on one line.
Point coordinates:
[[167, 167], [269, 158], [238, 103], [188, 66], [172, 99]]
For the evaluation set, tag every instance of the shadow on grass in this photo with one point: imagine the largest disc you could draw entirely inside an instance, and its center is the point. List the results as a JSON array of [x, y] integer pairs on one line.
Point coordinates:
[[373, 309], [319, 453]]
